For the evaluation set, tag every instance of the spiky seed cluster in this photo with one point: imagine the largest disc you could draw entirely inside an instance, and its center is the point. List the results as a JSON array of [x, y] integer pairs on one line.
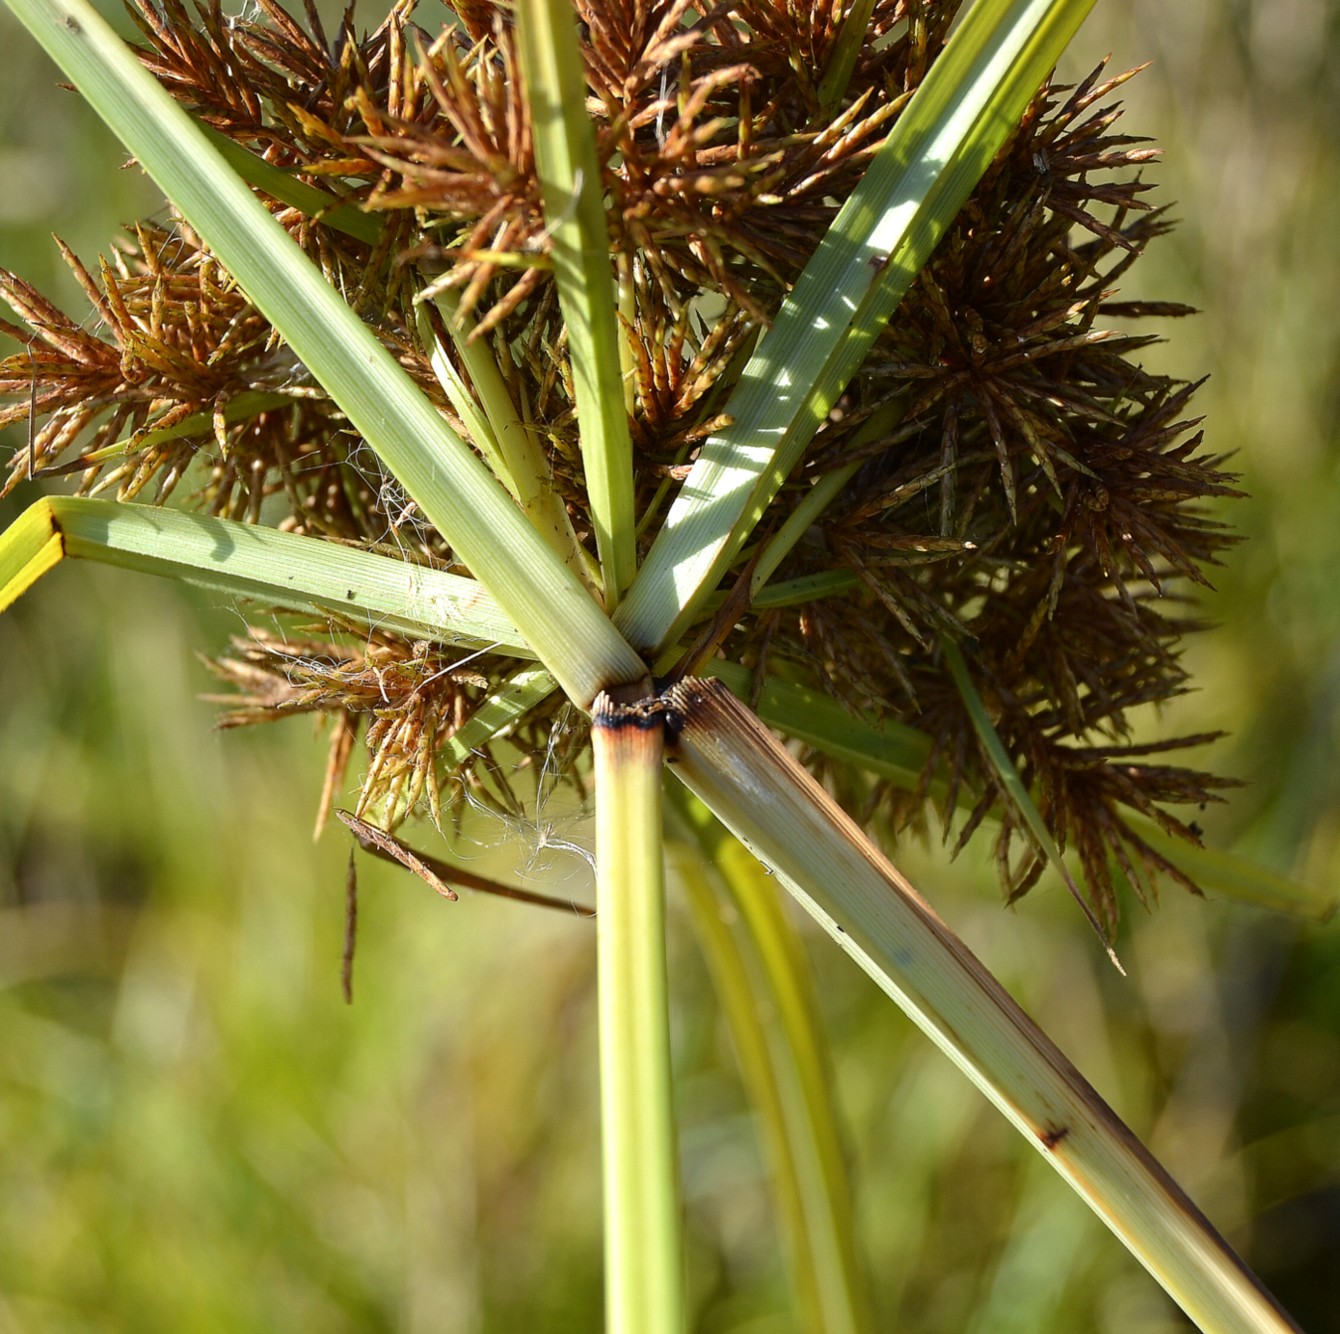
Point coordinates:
[[1023, 486]]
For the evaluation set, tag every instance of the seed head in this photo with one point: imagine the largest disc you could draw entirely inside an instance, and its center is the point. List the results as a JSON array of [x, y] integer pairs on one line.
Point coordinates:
[[1008, 473]]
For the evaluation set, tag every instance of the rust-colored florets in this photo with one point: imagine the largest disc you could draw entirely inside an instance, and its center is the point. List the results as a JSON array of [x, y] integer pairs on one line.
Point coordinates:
[[1019, 482]]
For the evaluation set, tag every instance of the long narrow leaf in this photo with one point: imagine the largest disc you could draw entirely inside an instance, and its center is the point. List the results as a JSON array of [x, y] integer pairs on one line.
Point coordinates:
[[455, 491], [890, 749], [1011, 783], [500, 711], [574, 206], [900, 753], [517, 456], [286, 188], [241, 560], [957, 121], [790, 823]]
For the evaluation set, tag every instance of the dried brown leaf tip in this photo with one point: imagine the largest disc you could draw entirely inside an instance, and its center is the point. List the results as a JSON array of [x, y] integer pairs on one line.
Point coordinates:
[[1015, 477]]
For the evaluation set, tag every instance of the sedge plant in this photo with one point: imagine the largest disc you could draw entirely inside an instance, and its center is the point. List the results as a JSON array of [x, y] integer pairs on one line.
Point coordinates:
[[612, 384]]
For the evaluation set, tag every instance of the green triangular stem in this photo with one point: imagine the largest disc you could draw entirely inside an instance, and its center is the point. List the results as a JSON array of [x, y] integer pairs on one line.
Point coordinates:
[[644, 1259]]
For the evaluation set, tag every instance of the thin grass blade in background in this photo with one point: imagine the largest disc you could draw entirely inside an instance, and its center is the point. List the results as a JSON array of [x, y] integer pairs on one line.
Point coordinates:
[[766, 989]]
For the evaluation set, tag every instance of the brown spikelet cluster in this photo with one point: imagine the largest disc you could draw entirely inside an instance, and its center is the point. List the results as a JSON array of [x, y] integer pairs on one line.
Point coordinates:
[[176, 345], [1012, 477], [411, 696]]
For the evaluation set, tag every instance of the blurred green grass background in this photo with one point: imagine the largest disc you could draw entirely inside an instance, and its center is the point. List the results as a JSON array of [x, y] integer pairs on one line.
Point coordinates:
[[196, 1133]]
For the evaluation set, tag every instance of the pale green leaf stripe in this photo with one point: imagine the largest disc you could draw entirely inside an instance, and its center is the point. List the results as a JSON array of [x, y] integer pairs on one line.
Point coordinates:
[[505, 706], [794, 827], [954, 125], [281, 570], [574, 207], [452, 487]]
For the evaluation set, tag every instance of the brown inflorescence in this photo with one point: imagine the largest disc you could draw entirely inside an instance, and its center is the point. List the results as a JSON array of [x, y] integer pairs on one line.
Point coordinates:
[[1024, 485]]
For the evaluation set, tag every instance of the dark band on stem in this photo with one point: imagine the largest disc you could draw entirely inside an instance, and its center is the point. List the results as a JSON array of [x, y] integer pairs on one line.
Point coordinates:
[[643, 715]]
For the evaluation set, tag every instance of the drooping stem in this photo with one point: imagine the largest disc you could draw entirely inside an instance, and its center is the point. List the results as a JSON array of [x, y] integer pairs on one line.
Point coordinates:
[[643, 1265]]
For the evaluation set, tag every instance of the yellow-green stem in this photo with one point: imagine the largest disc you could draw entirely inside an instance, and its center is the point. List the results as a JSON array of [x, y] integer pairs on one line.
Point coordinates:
[[643, 1264]]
